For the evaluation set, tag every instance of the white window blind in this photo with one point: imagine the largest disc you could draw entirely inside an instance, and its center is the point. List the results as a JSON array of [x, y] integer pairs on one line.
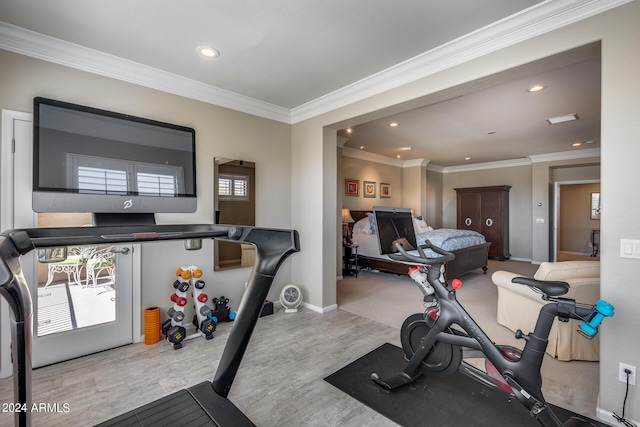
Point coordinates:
[[109, 176], [102, 181], [233, 187]]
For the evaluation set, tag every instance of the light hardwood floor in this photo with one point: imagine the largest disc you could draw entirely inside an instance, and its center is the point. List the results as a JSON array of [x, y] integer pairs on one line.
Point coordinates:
[[280, 382]]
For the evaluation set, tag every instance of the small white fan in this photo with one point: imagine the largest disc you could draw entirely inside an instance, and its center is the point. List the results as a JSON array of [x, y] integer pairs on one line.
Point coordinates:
[[290, 298]]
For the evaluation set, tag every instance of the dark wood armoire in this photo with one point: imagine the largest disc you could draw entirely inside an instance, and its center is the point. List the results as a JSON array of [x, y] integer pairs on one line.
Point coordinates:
[[486, 210]]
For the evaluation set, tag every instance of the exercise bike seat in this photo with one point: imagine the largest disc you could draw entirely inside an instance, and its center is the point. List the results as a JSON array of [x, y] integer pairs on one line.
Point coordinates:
[[548, 287]]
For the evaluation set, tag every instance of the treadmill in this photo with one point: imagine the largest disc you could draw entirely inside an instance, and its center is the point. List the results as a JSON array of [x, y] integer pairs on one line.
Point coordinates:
[[204, 404]]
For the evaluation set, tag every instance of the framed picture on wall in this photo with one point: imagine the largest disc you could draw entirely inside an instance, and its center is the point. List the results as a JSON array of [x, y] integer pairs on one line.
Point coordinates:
[[385, 190], [351, 187], [369, 189]]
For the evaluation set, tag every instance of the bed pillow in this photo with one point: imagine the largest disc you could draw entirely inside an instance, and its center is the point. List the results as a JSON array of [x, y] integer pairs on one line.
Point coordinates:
[[372, 220], [420, 225], [362, 226]]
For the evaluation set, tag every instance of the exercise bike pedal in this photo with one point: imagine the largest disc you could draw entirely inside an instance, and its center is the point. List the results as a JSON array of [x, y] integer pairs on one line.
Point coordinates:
[[392, 382]]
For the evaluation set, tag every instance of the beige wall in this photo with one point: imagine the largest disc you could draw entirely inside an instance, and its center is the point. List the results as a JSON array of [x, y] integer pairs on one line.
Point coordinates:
[[219, 133], [366, 170], [620, 36], [519, 178], [297, 168], [575, 224], [434, 199]]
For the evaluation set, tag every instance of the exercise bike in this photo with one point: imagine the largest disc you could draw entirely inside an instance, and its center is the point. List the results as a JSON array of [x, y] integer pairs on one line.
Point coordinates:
[[434, 347]]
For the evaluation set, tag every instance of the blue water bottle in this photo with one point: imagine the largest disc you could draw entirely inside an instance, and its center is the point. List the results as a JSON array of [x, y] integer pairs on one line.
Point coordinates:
[[589, 328]]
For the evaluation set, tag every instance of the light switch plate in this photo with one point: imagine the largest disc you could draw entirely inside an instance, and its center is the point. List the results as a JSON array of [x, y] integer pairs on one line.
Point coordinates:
[[629, 248]]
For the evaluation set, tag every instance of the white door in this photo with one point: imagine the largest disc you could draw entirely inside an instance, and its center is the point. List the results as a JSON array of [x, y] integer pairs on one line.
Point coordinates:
[[82, 305]]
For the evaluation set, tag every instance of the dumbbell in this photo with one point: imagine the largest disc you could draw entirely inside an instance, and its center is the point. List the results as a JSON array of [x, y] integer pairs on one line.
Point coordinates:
[[205, 310], [185, 274], [181, 301], [176, 315], [207, 327], [165, 327], [199, 284], [181, 286], [175, 335], [203, 298]]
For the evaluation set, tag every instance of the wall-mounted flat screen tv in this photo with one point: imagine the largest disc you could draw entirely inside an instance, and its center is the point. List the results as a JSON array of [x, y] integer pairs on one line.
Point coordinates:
[[91, 160]]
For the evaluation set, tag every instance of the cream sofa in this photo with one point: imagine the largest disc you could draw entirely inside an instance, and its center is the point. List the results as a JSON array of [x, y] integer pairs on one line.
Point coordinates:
[[519, 305]]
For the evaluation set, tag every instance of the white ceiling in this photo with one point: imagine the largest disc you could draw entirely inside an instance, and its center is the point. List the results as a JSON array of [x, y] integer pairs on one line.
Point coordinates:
[[290, 59], [496, 119]]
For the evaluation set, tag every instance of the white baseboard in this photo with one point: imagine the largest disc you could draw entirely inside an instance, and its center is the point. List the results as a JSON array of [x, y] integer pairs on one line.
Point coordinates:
[[608, 417], [320, 310]]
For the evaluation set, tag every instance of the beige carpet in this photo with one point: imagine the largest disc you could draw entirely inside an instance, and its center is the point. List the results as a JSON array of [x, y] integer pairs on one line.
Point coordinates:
[[389, 299]]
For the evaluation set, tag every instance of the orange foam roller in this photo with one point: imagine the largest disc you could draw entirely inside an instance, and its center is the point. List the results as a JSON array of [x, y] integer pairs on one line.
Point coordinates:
[[152, 325]]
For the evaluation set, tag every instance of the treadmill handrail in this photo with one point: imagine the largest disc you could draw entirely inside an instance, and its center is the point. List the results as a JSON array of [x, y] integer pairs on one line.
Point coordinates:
[[273, 246]]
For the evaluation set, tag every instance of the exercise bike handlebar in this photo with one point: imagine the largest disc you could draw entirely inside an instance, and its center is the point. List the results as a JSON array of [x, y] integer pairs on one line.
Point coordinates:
[[403, 255]]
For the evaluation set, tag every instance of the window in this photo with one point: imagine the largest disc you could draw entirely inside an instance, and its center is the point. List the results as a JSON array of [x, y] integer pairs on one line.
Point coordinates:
[[233, 187], [101, 181], [109, 176], [156, 185]]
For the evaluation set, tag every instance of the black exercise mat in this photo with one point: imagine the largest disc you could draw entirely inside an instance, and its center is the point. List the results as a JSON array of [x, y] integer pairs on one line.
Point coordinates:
[[454, 401]]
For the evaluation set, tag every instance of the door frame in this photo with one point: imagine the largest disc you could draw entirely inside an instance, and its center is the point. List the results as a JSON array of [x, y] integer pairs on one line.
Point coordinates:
[[6, 221], [555, 227]]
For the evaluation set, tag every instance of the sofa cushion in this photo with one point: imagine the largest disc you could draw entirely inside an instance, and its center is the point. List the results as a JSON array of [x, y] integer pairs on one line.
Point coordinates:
[[567, 270]]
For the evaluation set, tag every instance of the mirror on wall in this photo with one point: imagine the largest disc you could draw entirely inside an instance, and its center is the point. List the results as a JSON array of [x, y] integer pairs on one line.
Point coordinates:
[[234, 203], [595, 205]]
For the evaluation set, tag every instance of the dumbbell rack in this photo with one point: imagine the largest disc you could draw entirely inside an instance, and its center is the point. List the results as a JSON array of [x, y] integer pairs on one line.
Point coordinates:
[[173, 328]]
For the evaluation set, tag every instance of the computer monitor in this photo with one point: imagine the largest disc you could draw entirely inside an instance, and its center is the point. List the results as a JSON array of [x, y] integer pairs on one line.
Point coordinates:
[[111, 164], [394, 225]]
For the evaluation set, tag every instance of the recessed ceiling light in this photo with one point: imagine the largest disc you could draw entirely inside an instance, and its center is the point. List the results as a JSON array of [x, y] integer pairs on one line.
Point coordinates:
[[207, 51], [576, 144], [562, 119], [536, 88], [349, 130], [491, 132], [591, 141], [362, 147], [467, 158], [404, 148], [398, 156], [394, 124]]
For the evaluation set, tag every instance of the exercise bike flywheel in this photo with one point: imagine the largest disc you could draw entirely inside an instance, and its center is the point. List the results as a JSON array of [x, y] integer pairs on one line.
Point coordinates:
[[442, 361]]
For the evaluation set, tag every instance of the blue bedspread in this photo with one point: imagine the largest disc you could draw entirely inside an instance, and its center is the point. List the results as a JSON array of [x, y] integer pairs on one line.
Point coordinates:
[[449, 239]]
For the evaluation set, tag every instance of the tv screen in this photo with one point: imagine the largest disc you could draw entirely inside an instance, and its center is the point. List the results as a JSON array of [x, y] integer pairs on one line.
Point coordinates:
[[91, 160], [394, 225]]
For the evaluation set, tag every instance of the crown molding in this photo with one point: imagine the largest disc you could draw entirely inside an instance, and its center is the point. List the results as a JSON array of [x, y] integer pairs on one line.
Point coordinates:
[[415, 163], [435, 168], [46, 48], [538, 158], [371, 157], [538, 19], [341, 140], [487, 165], [565, 155]]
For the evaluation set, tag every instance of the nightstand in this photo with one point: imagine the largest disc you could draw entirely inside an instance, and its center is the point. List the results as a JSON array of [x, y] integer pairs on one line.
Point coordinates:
[[350, 260]]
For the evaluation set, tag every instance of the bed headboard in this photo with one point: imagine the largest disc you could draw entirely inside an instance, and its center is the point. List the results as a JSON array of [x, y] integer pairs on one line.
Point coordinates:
[[358, 215]]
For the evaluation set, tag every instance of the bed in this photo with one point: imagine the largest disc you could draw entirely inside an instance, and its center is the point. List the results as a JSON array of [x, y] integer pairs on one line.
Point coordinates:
[[474, 254]]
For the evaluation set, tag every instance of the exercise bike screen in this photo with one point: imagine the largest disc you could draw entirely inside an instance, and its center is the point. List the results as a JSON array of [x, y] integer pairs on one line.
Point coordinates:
[[394, 225]]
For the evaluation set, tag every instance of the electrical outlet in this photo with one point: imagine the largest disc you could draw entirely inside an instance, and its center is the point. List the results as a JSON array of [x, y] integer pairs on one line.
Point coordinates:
[[622, 376]]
